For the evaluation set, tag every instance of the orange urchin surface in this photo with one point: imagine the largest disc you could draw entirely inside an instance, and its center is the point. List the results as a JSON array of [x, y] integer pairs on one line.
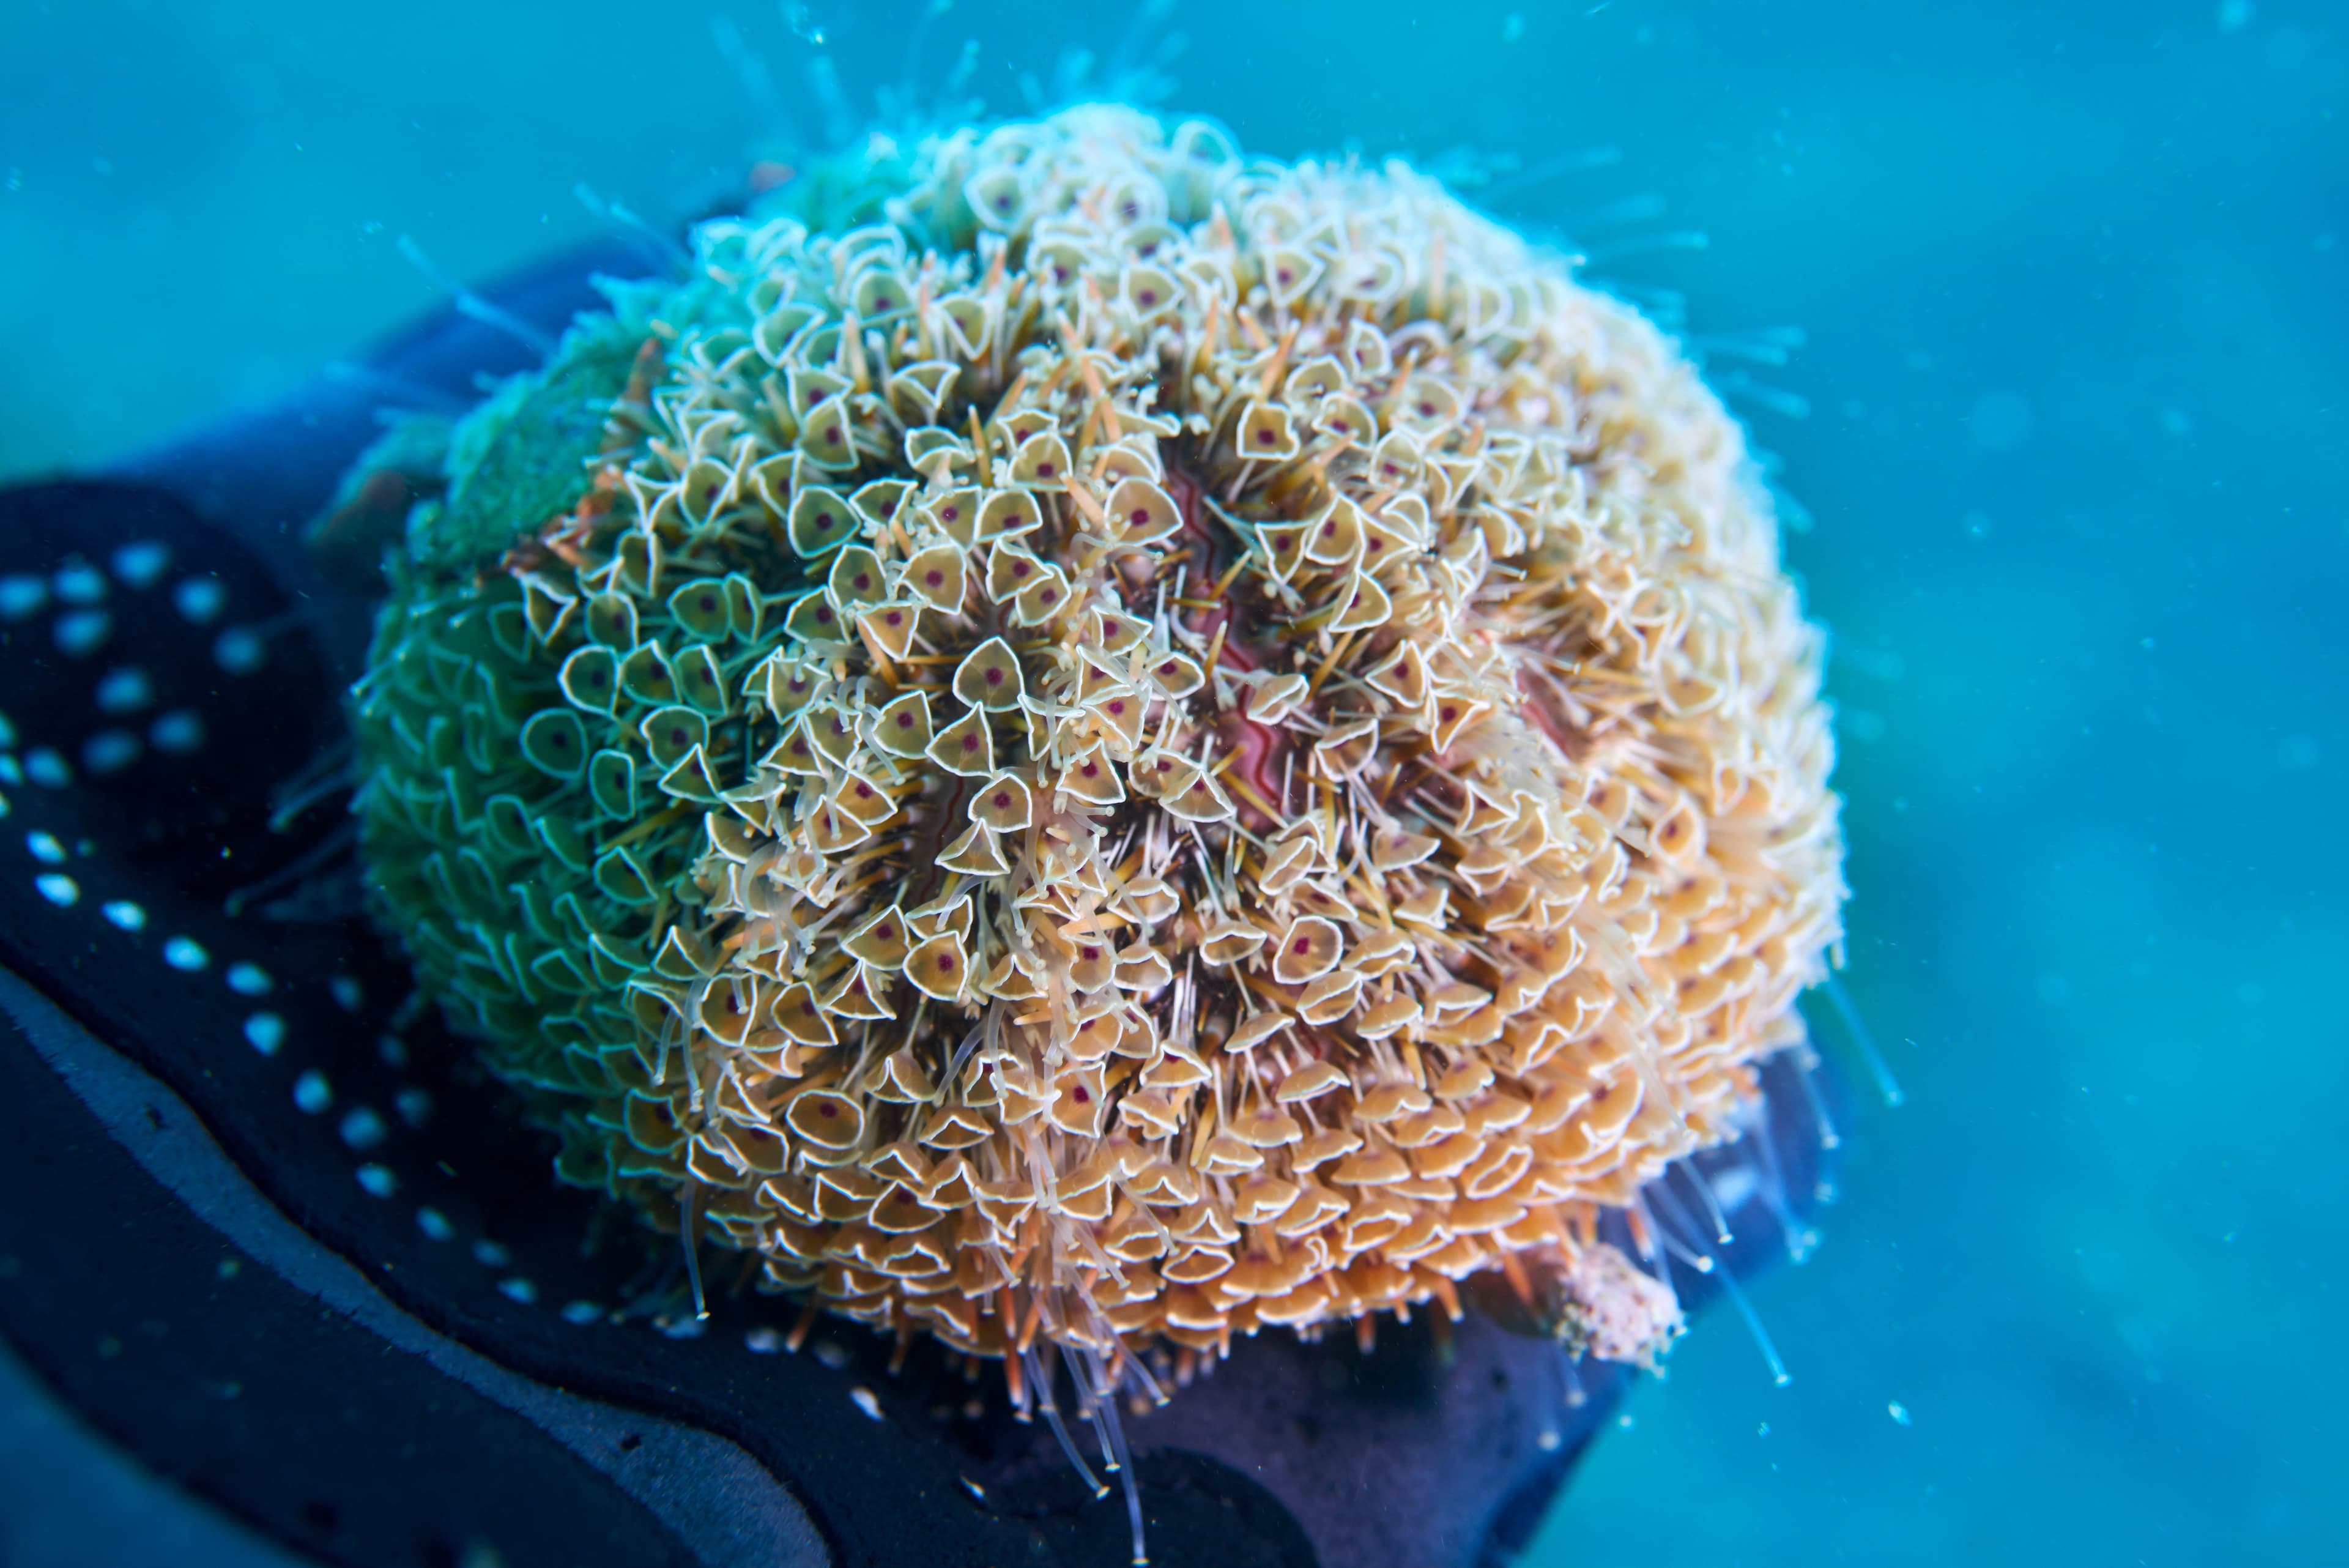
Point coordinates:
[[1149, 745]]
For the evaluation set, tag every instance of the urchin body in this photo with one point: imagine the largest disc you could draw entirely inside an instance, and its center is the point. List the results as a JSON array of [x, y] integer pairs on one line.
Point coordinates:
[[1147, 746]]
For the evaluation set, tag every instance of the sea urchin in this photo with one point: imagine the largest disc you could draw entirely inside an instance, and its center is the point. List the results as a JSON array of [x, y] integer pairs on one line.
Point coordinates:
[[1126, 745]]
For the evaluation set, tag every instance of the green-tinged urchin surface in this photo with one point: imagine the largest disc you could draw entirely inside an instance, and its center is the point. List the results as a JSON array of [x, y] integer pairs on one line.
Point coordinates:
[[1146, 744]]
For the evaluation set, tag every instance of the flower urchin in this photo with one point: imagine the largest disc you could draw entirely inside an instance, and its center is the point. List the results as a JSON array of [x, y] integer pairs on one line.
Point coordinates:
[[1145, 745]]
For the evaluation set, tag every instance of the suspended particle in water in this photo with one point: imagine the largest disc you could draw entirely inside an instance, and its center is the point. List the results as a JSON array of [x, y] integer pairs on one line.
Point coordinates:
[[802, 24]]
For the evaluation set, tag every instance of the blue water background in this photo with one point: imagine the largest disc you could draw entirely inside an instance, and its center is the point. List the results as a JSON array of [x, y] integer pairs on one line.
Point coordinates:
[[2072, 278]]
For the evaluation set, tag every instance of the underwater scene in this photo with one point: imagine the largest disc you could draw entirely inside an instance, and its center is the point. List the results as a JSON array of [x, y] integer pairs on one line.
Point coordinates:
[[942, 782]]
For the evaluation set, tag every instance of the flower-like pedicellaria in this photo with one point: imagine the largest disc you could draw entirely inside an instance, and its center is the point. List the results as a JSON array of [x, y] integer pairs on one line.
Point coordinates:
[[1130, 745]]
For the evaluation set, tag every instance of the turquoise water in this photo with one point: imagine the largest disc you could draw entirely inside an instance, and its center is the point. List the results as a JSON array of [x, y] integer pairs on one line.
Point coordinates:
[[2072, 285]]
